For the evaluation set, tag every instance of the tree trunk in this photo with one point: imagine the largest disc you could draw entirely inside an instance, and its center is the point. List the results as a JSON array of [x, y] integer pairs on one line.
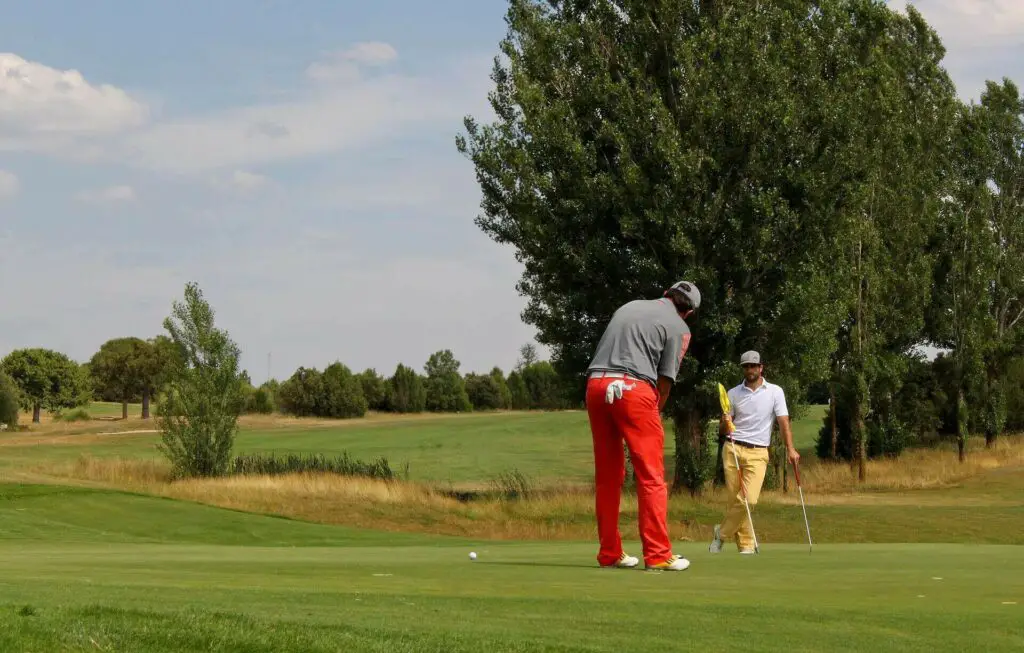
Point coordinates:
[[961, 425], [832, 414], [692, 464], [36, 411], [124, 409], [145, 403], [861, 441]]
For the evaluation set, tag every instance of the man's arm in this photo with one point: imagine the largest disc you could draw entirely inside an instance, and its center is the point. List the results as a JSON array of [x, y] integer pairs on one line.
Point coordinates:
[[668, 367], [664, 387], [782, 417]]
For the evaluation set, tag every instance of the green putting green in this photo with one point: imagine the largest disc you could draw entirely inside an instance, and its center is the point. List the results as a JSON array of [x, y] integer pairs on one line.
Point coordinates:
[[84, 570]]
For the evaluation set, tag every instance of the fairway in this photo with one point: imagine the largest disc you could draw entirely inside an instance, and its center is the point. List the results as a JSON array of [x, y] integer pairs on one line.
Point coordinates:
[[458, 449], [85, 571]]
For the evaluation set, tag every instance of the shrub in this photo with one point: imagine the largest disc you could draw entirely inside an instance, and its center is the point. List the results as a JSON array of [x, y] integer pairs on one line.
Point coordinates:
[[484, 392], [406, 391], [77, 415], [301, 394], [343, 465], [261, 401], [512, 485], [342, 393]]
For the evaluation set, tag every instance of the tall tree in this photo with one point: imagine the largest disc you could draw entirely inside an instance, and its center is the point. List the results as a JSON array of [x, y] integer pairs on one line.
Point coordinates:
[[158, 362], [47, 380], [444, 385], [900, 160], [116, 369], [198, 411], [406, 391], [979, 279], [640, 142]]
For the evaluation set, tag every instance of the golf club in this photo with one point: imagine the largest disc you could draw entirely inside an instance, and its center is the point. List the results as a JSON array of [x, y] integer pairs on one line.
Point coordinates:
[[743, 489], [796, 469]]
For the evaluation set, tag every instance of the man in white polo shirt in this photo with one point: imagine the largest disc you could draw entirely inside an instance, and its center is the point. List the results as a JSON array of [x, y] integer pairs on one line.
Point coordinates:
[[753, 405]]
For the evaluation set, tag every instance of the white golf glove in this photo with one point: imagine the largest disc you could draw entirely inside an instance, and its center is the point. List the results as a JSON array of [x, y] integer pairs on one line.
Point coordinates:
[[615, 389]]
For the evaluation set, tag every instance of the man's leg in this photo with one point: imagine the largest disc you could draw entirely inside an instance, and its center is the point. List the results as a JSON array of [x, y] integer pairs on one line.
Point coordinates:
[[754, 463], [641, 425], [609, 471], [735, 512]]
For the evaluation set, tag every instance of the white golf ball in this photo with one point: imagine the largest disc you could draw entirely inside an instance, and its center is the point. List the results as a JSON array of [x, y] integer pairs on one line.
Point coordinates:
[[472, 555]]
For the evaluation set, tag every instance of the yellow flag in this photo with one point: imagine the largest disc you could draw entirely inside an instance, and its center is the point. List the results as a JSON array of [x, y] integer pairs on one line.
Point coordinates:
[[723, 398]]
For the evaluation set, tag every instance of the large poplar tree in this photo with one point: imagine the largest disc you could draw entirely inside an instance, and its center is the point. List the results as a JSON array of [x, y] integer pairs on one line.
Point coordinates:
[[643, 141]]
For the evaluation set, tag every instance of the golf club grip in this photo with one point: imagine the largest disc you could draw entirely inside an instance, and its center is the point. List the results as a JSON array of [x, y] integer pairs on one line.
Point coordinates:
[[796, 470]]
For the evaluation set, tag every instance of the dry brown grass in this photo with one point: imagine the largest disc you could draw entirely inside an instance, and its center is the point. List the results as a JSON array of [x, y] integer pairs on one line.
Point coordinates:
[[555, 513], [552, 513]]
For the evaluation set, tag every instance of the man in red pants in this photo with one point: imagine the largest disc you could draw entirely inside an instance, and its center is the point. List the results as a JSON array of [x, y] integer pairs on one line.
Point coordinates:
[[629, 379]]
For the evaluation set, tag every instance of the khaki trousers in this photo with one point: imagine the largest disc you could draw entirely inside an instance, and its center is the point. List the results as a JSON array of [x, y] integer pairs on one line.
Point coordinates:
[[754, 464]]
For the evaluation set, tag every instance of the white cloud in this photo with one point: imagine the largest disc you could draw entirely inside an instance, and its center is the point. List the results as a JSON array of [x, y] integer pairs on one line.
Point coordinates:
[[343, 66], [9, 184], [974, 23], [60, 113], [327, 119], [110, 195], [240, 180], [42, 107]]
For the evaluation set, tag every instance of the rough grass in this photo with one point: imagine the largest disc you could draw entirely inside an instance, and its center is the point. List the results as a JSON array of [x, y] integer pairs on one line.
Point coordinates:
[[916, 469], [513, 509]]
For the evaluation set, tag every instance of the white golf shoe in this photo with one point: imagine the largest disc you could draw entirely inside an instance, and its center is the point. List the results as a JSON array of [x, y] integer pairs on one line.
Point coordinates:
[[747, 552], [675, 563], [624, 562], [716, 544]]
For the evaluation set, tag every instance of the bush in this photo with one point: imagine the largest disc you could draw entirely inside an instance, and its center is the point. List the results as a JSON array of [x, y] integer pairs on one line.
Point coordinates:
[[512, 485], [343, 465], [10, 401], [406, 391], [261, 401], [375, 389], [342, 393], [484, 392], [302, 393], [77, 415]]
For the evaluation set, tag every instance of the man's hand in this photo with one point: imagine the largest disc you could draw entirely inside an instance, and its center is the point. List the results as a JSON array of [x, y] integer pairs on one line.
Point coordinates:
[[794, 456], [725, 425]]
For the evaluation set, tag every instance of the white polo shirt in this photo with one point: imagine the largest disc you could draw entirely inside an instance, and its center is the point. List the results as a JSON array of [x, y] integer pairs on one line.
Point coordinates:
[[753, 412]]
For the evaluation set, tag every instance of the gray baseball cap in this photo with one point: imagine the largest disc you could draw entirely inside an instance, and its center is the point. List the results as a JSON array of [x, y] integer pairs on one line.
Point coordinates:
[[689, 289], [750, 358]]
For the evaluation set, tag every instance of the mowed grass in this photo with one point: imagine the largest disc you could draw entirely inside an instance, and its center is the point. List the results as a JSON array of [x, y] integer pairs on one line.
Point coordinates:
[[462, 450], [87, 570]]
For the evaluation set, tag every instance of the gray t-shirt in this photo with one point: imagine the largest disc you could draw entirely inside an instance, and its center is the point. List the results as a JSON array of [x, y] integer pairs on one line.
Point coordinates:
[[645, 338]]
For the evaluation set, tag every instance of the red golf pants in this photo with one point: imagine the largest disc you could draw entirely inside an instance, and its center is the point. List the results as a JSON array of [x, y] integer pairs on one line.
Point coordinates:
[[634, 418]]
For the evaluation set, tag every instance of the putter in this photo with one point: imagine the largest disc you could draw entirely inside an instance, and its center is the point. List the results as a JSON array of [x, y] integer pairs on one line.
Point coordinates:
[[807, 524]]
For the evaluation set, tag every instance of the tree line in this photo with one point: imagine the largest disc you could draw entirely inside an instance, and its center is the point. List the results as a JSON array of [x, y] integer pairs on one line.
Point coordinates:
[[839, 206], [134, 370]]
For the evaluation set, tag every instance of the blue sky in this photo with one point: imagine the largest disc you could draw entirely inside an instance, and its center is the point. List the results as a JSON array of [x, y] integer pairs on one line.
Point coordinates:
[[296, 158]]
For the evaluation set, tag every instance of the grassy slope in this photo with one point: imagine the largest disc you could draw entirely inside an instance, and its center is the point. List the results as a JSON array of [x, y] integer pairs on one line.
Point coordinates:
[[86, 571]]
